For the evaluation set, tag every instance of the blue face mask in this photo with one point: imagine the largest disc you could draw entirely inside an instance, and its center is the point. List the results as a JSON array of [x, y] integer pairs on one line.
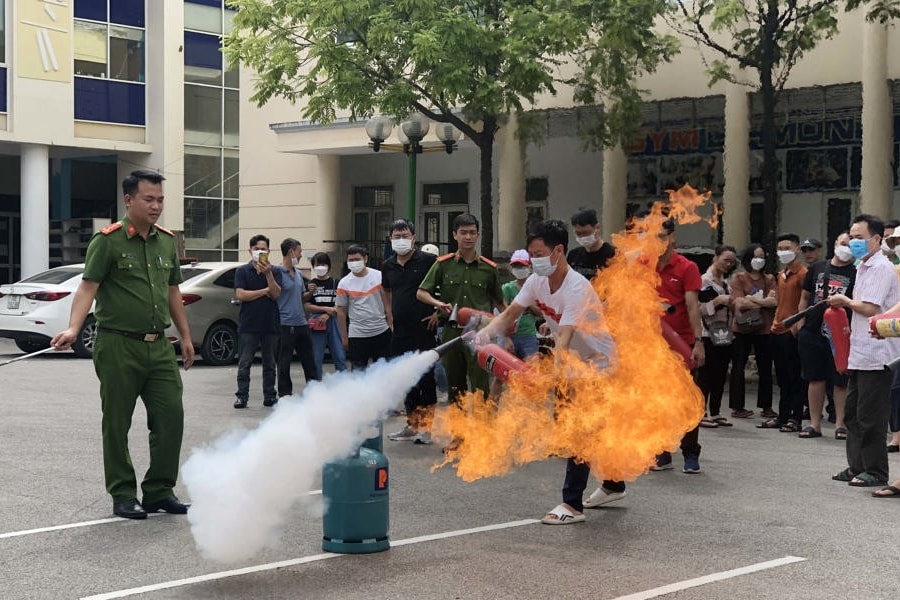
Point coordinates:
[[859, 248]]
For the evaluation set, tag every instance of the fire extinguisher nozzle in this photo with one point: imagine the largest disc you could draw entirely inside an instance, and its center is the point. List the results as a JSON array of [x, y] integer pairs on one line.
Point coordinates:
[[445, 347]]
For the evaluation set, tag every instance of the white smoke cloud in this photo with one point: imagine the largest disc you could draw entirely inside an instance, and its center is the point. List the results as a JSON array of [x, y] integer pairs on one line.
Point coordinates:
[[242, 487]]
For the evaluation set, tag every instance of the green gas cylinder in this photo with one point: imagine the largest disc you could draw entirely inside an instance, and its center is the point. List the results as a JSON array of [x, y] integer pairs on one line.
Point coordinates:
[[357, 516]]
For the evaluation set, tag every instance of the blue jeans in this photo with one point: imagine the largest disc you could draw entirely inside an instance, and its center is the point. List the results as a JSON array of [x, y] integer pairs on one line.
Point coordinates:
[[525, 345], [267, 344], [332, 338]]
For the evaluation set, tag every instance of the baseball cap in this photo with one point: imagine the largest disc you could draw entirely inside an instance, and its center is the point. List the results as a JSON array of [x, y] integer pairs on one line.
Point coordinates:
[[430, 249], [810, 243], [520, 257]]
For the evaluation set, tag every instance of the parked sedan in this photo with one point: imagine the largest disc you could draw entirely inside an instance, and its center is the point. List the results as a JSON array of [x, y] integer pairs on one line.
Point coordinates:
[[35, 309], [212, 310]]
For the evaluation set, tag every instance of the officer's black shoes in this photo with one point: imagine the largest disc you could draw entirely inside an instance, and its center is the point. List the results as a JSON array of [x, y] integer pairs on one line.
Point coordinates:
[[270, 402], [170, 505], [240, 403], [130, 509]]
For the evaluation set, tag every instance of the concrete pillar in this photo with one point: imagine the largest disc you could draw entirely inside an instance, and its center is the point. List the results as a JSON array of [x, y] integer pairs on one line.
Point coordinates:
[[511, 215], [35, 197], [736, 197], [877, 124], [615, 191], [328, 199]]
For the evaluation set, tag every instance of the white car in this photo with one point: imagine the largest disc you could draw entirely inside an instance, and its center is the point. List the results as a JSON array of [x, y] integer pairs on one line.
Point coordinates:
[[35, 309]]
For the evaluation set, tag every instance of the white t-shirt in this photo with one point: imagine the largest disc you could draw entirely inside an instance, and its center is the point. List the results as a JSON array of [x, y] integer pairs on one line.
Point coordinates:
[[361, 296], [574, 303]]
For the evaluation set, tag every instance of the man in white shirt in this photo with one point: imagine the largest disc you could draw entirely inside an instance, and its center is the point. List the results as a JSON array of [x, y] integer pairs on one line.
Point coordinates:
[[868, 405], [574, 314], [361, 298]]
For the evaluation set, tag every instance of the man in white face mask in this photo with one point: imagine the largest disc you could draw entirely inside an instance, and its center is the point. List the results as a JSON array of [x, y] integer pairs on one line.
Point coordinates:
[[361, 297], [889, 242], [784, 341], [413, 323], [592, 253]]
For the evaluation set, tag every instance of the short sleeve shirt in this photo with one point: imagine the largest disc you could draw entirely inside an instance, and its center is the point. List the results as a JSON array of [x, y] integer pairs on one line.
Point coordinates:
[[677, 277], [840, 281], [526, 324], [790, 286], [134, 276], [325, 292], [473, 284], [290, 302], [260, 315], [588, 263], [361, 296], [402, 281]]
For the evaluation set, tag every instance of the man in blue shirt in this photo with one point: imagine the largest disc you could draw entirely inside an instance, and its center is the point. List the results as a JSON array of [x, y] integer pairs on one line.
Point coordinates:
[[256, 288], [295, 335]]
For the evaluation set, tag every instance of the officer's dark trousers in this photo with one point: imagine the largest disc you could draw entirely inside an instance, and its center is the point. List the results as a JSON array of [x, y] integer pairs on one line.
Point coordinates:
[[128, 368], [295, 338], [267, 343], [462, 368], [866, 417]]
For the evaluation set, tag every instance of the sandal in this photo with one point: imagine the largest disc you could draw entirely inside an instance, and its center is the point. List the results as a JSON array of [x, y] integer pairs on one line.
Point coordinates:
[[741, 414], [866, 479], [845, 475], [840, 433], [768, 413], [722, 422], [791, 426], [707, 422], [894, 492], [562, 515], [809, 432], [770, 424]]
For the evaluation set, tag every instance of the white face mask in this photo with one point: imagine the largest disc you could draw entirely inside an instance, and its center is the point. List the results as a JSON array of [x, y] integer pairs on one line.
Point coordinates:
[[295, 261], [757, 264], [886, 249], [520, 272], [542, 266], [401, 246], [356, 266], [786, 257], [320, 270], [843, 253], [587, 241]]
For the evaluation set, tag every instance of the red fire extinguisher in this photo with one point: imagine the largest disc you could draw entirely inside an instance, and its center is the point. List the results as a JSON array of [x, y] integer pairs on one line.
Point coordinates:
[[499, 362], [677, 344], [836, 319]]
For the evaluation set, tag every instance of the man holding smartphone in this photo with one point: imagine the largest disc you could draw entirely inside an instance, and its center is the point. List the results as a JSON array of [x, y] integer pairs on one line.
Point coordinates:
[[258, 290]]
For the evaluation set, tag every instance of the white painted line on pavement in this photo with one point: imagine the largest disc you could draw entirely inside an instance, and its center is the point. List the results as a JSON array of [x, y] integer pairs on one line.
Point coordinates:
[[712, 578], [12, 534], [296, 561]]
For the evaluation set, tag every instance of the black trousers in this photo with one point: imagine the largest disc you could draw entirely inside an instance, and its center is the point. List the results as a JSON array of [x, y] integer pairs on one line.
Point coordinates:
[[761, 344], [424, 393], [791, 385], [866, 417], [294, 338], [712, 375], [362, 350], [895, 403]]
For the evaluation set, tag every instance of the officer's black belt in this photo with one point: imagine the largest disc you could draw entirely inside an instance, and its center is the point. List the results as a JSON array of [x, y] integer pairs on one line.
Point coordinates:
[[149, 336]]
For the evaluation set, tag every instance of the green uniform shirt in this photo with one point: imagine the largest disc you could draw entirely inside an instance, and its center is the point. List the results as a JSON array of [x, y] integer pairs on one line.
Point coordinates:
[[475, 284], [134, 276], [527, 321]]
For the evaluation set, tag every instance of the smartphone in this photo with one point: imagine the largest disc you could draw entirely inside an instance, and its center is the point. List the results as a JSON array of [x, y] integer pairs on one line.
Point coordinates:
[[263, 258]]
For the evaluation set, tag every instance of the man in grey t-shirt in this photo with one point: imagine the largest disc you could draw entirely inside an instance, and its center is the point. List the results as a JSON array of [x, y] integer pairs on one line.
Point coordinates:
[[360, 298]]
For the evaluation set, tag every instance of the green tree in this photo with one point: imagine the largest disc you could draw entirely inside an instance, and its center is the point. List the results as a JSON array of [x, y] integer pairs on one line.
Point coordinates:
[[767, 37], [464, 62]]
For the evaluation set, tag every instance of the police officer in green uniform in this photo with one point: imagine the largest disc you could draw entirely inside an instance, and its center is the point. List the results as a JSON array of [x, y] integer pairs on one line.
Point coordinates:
[[132, 271], [463, 279]]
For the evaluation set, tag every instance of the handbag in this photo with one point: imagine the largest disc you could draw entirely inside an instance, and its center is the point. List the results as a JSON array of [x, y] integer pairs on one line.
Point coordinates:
[[748, 321], [720, 333], [318, 324]]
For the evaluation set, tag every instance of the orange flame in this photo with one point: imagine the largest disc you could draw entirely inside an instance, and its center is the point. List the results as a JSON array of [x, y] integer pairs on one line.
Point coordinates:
[[617, 420]]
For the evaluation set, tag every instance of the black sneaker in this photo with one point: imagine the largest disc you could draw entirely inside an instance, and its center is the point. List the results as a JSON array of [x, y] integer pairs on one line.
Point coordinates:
[[239, 403], [270, 402]]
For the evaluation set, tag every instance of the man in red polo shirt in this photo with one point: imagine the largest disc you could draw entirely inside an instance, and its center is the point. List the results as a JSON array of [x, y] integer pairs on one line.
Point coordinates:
[[679, 287]]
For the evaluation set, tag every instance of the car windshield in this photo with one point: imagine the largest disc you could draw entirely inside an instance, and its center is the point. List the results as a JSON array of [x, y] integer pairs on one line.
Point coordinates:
[[191, 272], [54, 276]]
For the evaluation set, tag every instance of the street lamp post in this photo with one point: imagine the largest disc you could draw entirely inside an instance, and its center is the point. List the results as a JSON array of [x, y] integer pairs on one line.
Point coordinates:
[[411, 133]]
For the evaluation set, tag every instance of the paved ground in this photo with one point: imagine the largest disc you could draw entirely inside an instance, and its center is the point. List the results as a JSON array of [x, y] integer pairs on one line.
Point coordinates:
[[762, 496]]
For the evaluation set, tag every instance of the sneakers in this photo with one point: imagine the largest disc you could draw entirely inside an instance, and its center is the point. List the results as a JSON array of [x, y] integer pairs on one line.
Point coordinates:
[[601, 497], [240, 403], [691, 464], [423, 438], [270, 402], [407, 434], [663, 462]]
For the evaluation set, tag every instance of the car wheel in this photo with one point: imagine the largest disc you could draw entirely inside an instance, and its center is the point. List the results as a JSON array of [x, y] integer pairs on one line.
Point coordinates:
[[84, 345], [29, 346], [220, 344]]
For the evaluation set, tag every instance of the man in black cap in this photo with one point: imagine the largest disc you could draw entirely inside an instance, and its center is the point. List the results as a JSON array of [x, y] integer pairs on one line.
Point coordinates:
[[812, 250]]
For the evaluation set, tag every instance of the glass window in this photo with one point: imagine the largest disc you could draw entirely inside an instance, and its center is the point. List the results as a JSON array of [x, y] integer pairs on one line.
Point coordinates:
[[232, 77], [2, 33], [232, 119], [90, 49], [231, 183], [202, 172], [229, 20], [110, 101], [126, 53], [127, 12], [446, 193], [230, 224], [90, 9], [202, 115], [202, 18], [201, 222], [2, 89], [369, 196], [202, 58]]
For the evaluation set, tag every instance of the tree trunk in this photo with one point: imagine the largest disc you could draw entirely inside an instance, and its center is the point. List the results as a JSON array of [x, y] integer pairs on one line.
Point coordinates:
[[769, 131], [486, 146]]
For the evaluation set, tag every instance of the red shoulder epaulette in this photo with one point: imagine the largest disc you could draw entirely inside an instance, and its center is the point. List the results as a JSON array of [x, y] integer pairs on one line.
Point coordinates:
[[110, 228], [446, 257], [164, 230], [488, 261]]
